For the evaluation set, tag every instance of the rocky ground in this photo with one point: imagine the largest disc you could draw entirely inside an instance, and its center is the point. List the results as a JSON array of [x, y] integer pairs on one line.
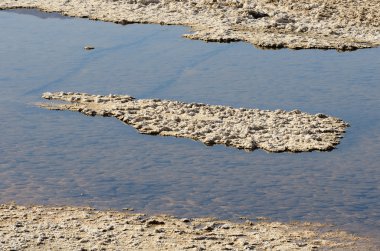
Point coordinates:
[[75, 228], [296, 24], [273, 131]]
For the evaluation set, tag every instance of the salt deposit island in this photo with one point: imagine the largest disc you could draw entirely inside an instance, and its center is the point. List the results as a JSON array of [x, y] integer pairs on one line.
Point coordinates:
[[273, 131]]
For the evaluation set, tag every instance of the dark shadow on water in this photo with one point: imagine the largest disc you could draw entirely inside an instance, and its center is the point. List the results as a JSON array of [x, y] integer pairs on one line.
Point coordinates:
[[37, 13]]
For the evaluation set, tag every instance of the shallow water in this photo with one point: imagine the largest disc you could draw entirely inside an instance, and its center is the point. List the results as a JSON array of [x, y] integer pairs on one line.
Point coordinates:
[[52, 157]]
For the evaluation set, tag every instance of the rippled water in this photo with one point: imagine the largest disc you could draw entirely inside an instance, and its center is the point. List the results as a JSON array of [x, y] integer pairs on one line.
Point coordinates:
[[52, 157]]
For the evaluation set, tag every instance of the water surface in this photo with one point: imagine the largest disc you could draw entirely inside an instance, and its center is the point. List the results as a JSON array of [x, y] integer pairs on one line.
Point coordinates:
[[50, 157]]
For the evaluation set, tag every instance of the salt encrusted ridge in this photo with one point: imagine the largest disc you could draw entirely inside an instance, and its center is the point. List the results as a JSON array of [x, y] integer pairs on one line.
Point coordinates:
[[273, 131], [323, 24]]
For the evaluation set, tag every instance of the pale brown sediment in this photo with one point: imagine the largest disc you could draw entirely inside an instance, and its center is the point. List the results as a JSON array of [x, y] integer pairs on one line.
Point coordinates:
[[273, 131], [323, 24], [81, 228]]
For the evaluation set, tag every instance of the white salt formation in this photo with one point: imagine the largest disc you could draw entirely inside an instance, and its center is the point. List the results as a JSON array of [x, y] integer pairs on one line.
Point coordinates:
[[325, 24], [273, 131]]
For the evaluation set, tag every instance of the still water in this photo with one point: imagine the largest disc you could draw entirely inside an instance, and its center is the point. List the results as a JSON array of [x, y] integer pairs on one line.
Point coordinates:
[[51, 157]]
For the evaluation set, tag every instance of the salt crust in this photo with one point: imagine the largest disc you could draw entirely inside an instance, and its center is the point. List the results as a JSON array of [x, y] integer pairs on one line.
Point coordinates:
[[273, 131], [296, 24], [76, 228]]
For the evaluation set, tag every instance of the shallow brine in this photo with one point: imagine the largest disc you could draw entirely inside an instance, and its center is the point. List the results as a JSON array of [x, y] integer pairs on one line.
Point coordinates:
[[53, 157]]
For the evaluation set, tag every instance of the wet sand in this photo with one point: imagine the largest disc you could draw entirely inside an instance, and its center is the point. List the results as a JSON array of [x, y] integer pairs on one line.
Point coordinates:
[[323, 24], [82, 228]]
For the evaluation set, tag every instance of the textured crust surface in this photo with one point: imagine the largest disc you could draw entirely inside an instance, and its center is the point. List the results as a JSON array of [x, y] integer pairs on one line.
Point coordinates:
[[74, 228], [273, 131], [296, 24]]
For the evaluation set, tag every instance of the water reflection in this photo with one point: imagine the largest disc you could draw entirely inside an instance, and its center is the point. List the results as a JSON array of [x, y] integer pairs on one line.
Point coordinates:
[[64, 157], [37, 13]]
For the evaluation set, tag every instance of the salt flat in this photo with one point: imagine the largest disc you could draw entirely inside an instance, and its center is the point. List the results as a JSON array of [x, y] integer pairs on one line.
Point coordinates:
[[323, 24]]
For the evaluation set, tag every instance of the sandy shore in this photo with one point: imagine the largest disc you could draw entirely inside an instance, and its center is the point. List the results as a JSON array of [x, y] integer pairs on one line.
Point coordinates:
[[324, 24], [76, 228], [273, 131]]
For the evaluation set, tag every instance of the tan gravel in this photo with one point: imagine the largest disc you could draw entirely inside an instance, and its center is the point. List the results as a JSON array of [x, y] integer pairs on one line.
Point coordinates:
[[297, 24], [76, 228], [273, 131]]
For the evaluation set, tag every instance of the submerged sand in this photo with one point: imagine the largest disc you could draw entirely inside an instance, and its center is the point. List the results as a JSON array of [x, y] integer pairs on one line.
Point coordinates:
[[323, 24], [76, 228], [273, 131]]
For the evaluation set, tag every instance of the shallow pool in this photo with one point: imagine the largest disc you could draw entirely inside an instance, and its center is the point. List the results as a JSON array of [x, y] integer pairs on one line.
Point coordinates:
[[51, 157]]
